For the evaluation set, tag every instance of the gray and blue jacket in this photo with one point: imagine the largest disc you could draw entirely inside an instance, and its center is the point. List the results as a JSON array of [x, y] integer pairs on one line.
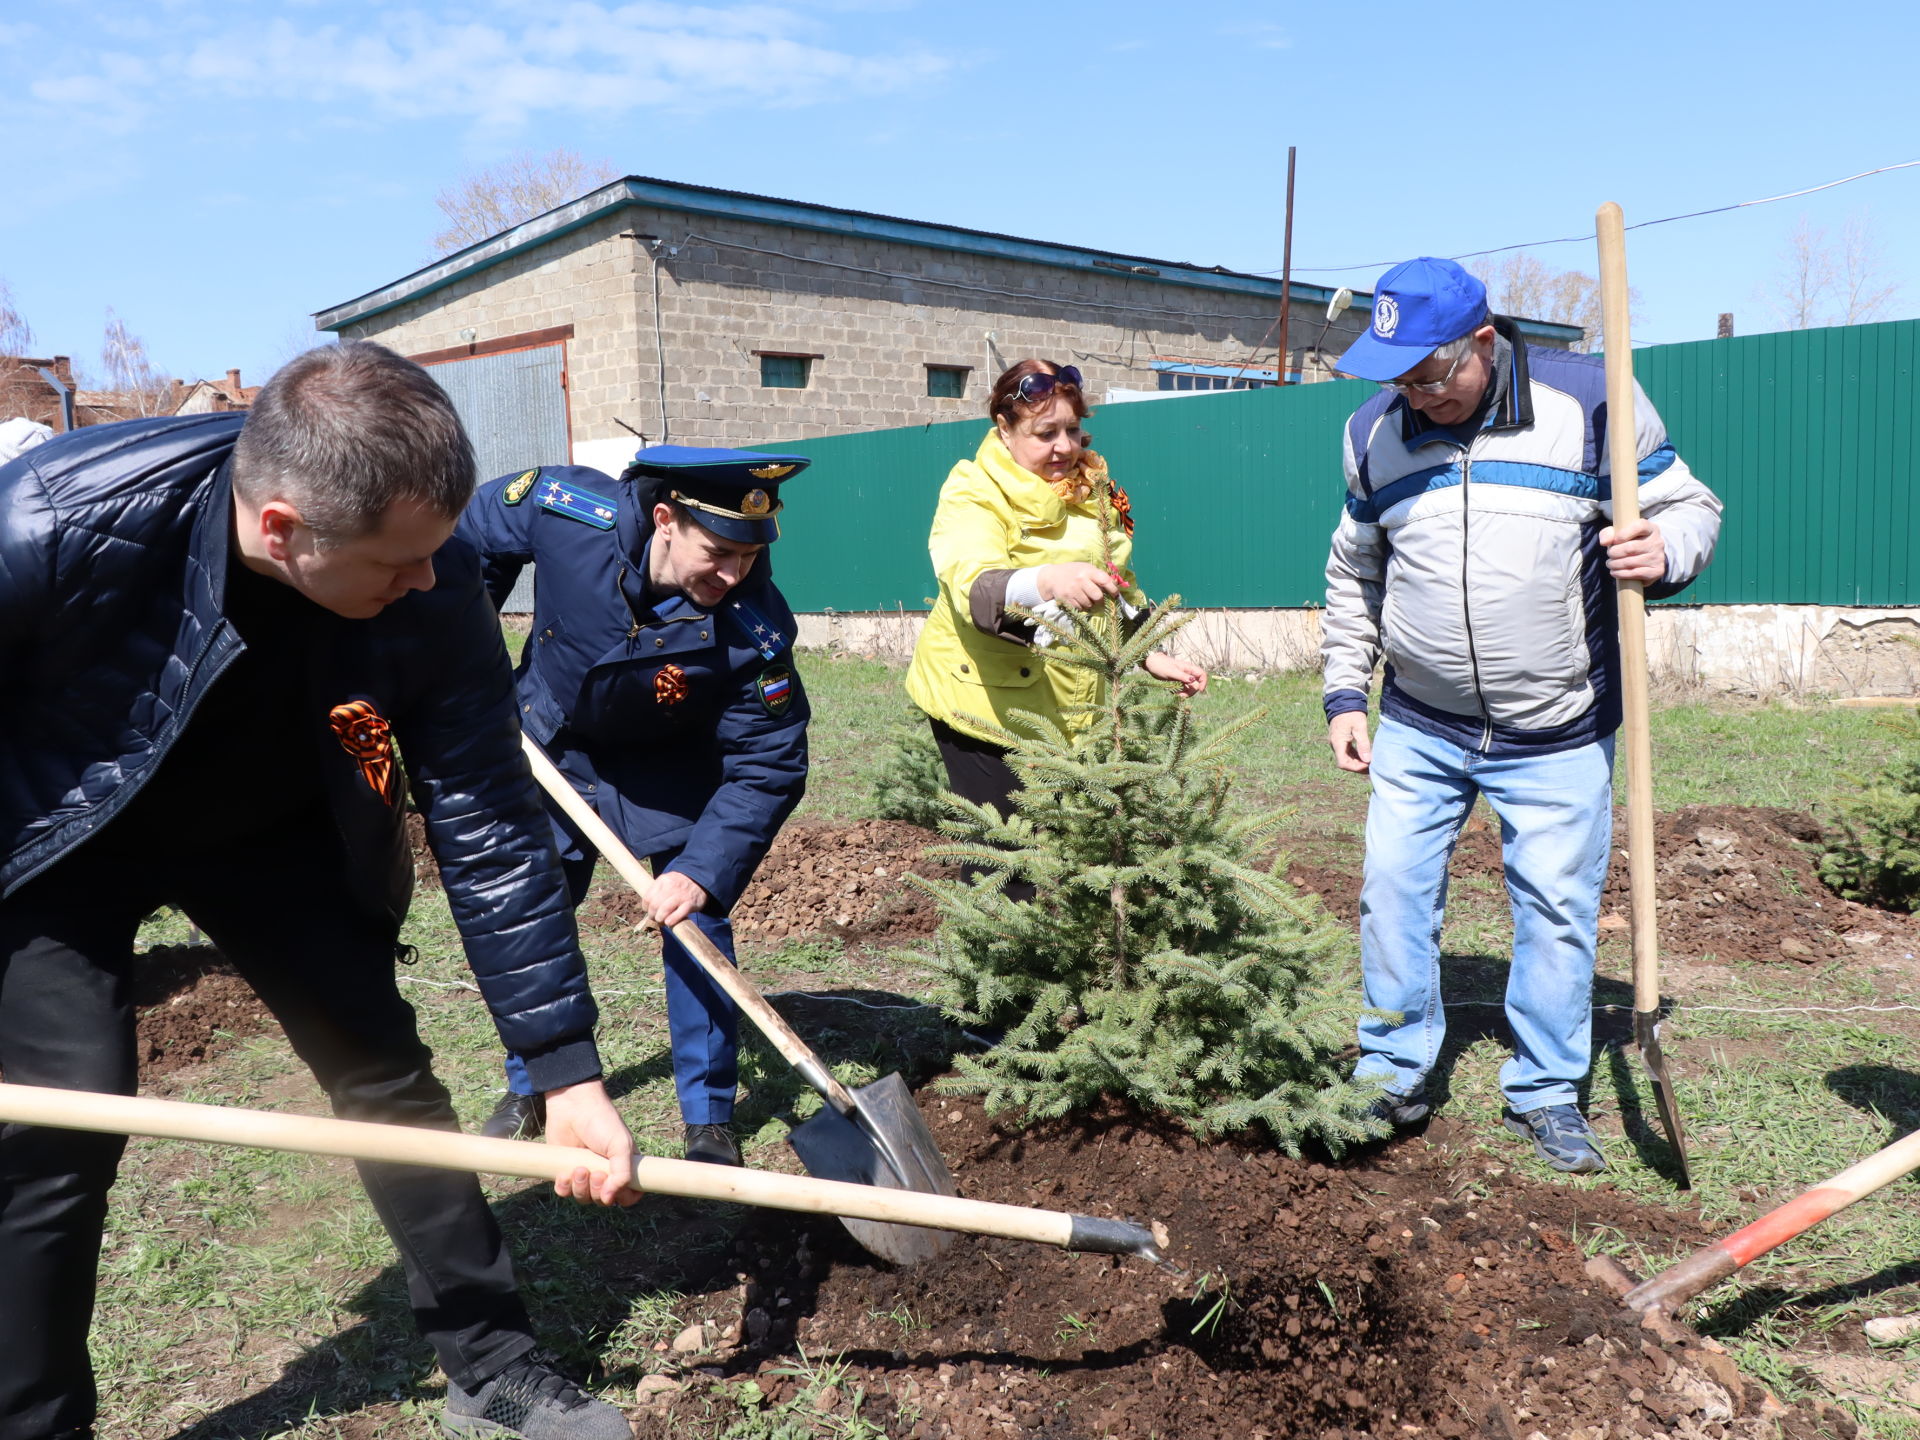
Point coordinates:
[[1472, 563]]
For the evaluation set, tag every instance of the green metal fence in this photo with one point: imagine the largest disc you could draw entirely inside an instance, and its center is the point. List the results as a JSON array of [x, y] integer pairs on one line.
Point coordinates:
[[1809, 436]]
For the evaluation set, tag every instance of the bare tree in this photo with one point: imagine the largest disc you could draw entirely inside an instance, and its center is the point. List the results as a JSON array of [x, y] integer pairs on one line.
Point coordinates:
[[1865, 292], [1804, 278], [518, 188], [16, 335], [1824, 281], [1521, 285], [138, 387]]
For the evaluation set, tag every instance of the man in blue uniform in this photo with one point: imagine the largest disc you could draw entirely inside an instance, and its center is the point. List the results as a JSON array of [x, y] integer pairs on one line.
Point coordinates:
[[659, 677]]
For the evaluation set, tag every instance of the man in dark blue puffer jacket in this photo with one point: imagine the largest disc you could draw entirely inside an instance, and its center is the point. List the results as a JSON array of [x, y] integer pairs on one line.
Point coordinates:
[[217, 639]]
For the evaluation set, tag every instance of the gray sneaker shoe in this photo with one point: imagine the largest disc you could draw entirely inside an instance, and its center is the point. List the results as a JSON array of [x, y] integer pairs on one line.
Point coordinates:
[[1561, 1137], [532, 1400]]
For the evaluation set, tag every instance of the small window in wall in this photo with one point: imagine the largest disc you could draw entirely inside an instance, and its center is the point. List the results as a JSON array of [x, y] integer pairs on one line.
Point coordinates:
[[785, 372], [948, 382], [1179, 375]]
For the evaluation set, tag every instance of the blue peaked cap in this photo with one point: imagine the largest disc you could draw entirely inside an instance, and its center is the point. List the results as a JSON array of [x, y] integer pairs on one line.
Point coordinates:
[[1417, 308], [733, 493]]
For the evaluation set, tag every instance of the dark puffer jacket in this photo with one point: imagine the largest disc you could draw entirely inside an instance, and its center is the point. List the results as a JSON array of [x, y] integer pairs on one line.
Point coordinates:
[[114, 544]]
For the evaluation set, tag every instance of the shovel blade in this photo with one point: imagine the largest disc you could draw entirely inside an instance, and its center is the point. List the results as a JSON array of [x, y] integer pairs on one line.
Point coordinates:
[[833, 1147], [1646, 1034]]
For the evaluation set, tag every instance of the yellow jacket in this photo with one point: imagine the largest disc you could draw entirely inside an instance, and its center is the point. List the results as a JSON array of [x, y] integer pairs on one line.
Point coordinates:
[[994, 517]]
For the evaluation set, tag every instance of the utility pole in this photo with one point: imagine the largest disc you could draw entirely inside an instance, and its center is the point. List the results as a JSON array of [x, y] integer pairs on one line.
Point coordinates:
[[1286, 278]]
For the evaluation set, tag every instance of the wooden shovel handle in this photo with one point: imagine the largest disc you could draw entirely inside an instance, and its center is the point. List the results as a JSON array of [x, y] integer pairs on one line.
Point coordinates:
[[1623, 451], [703, 950], [450, 1150]]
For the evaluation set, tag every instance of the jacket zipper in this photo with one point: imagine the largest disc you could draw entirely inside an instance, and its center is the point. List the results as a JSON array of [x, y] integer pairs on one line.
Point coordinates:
[[1466, 592]]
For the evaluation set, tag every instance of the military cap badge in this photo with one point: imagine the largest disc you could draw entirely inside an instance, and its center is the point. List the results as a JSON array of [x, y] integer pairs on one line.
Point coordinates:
[[517, 489], [755, 502], [772, 472]]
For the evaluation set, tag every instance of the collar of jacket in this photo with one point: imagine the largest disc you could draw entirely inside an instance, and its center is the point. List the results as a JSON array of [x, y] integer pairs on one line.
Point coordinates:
[[213, 538], [1027, 494], [1512, 407]]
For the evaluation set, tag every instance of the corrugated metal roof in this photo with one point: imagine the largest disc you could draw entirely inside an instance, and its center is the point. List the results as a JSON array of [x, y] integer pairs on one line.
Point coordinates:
[[640, 190]]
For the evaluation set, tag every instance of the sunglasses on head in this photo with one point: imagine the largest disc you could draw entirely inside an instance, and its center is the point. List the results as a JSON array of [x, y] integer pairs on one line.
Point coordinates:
[[1039, 385]]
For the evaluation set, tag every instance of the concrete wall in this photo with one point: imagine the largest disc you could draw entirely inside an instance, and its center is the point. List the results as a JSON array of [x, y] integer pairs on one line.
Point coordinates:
[[1755, 650], [589, 279]]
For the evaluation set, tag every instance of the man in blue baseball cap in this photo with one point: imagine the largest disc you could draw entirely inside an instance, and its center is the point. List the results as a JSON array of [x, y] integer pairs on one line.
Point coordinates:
[[1477, 558], [659, 678]]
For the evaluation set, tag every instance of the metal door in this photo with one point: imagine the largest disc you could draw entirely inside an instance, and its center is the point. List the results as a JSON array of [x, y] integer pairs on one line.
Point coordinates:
[[515, 409]]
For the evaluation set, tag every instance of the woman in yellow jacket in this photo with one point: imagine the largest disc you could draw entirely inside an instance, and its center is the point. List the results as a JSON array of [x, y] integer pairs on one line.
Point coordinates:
[[1019, 524]]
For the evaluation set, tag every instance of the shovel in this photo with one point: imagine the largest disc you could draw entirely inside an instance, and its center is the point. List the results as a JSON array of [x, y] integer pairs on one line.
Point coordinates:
[[1710, 1265], [870, 1136], [1623, 442], [450, 1150]]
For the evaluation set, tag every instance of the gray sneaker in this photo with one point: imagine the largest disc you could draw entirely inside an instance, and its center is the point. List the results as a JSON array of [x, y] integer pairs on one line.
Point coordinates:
[[1561, 1137], [532, 1400]]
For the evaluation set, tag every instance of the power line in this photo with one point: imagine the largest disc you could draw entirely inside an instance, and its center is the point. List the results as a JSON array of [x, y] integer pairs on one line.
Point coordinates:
[[1577, 239]]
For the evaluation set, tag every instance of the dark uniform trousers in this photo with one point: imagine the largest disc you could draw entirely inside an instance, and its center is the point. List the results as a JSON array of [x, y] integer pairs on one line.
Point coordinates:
[[273, 901]]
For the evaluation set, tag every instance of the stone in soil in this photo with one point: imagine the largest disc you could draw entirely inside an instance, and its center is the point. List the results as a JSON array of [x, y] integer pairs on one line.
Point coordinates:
[[1407, 1288]]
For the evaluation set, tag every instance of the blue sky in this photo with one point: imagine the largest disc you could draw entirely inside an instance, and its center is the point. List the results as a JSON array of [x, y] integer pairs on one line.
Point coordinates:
[[216, 174]]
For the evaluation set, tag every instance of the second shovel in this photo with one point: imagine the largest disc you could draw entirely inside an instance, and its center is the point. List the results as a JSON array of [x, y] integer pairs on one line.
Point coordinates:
[[871, 1136]]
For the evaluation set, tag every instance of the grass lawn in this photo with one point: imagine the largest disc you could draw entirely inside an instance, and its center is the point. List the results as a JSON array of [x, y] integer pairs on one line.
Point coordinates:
[[235, 1274]]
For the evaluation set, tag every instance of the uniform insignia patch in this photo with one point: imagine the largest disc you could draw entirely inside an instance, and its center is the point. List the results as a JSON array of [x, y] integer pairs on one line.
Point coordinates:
[[771, 472], [766, 638], [776, 689], [669, 685], [516, 491], [365, 735], [755, 502], [577, 504]]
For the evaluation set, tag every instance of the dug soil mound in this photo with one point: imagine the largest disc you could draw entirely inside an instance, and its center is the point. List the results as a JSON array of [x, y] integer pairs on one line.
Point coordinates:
[[841, 880], [191, 1006], [1735, 883], [1413, 1292]]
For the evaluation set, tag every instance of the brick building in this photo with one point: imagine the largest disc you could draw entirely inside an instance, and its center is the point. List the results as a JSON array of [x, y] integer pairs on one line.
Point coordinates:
[[202, 397], [702, 316]]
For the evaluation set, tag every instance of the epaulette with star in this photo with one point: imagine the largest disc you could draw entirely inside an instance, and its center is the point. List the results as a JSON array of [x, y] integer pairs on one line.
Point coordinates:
[[767, 638], [578, 504]]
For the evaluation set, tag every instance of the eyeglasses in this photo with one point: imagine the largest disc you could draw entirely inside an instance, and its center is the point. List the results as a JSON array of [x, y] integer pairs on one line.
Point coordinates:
[[1426, 387], [1039, 385]]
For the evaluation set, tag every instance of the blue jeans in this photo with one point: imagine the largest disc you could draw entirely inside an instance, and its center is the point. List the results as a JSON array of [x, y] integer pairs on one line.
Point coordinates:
[[1556, 827], [702, 1023]]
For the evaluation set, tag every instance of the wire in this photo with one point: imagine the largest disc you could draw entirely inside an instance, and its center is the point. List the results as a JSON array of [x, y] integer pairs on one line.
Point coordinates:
[[1641, 225]]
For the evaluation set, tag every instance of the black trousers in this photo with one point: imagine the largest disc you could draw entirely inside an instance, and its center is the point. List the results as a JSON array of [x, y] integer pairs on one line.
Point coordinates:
[[977, 770], [273, 902]]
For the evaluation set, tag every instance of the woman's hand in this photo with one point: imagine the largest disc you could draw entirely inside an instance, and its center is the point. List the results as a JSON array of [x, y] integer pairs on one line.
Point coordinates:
[[1189, 677], [1076, 584]]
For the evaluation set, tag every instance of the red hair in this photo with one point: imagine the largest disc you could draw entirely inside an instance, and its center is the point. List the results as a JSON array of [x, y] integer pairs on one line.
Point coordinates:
[[1005, 402]]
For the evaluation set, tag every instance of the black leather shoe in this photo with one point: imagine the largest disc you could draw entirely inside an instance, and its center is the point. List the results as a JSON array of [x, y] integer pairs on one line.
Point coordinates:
[[712, 1144], [517, 1117]]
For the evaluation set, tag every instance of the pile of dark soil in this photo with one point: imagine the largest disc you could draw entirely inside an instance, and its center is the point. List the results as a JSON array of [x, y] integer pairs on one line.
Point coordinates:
[[191, 1006], [1414, 1292], [1735, 883], [839, 880]]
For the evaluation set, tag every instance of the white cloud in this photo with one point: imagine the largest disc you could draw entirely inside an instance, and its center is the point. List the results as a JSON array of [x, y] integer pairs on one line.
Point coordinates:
[[497, 65]]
